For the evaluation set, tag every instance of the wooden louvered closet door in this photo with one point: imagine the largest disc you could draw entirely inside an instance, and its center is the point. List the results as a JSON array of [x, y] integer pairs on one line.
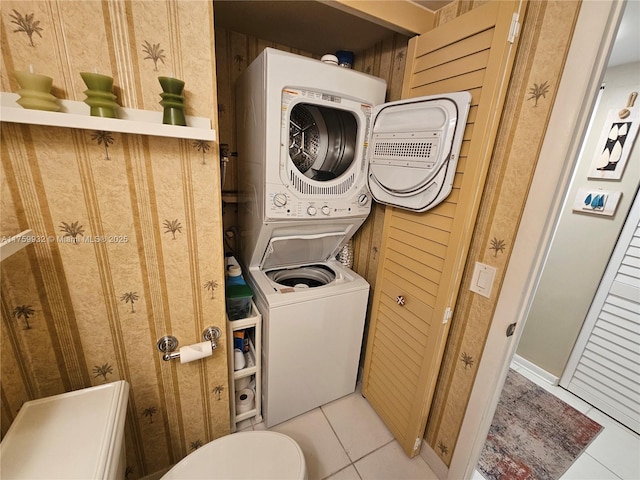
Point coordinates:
[[423, 254]]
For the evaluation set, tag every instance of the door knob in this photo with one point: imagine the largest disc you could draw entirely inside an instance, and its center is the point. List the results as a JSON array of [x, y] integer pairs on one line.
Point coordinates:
[[400, 300]]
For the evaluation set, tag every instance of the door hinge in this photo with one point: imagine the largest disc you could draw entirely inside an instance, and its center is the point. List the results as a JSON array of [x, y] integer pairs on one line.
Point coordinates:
[[514, 30], [416, 445], [447, 315]]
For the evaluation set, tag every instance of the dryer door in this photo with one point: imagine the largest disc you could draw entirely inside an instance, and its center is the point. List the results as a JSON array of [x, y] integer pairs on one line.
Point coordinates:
[[414, 148]]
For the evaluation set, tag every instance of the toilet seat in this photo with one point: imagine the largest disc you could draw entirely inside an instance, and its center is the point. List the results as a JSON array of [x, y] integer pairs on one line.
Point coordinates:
[[244, 455]]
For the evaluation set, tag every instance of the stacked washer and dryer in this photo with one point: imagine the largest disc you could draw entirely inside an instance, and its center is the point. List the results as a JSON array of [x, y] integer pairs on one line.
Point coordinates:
[[315, 145]]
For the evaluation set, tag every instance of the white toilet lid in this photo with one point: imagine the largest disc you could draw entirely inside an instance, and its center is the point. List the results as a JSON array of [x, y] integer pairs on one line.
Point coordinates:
[[77, 435], [244, 455]]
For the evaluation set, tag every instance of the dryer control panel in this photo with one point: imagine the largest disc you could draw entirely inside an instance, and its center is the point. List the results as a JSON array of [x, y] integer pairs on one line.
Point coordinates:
[[281, 204]]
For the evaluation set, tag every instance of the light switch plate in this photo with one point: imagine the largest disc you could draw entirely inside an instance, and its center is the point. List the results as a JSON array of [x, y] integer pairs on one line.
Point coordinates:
[[482, 280]]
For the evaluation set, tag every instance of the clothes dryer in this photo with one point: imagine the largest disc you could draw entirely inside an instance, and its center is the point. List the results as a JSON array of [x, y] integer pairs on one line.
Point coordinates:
[[302, 141]]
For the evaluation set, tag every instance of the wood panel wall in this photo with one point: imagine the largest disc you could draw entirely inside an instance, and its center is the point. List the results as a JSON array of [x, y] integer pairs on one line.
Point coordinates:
[[77, 314]]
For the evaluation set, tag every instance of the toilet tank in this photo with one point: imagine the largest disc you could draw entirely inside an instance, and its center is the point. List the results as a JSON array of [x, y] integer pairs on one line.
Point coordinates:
[[75, 435]]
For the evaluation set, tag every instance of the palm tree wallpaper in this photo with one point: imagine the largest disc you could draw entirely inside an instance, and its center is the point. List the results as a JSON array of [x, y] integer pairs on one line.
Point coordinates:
[[202, 146], [154, 53], [218, 391], [26, 24], [103, 371], [24, 312], [211, 285], [130, 297], [538, 91], [72, 230], [172, 226], [99, 306], [150, 412], [105, 139]]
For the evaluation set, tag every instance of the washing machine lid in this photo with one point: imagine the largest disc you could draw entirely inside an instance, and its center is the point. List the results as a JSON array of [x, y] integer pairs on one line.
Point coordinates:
[[72, 435], [292, 250], [414, 147]]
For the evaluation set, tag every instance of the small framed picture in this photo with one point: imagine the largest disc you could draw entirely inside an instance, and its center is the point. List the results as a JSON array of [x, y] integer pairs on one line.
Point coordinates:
[[596, 201], [615, 142]]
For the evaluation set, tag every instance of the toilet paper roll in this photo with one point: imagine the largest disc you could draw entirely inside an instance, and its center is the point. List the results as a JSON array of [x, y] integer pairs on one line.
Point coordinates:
[[242, 383], [196, 351], [245, 400], [238, 359]]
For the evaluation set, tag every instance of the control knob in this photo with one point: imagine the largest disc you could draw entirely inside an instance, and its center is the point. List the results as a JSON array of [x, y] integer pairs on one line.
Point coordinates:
[[279, 199], [311, 210], [325, 210], [363, 199]]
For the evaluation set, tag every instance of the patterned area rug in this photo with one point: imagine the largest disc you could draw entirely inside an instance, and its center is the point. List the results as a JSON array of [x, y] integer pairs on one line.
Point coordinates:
[[534, 435]]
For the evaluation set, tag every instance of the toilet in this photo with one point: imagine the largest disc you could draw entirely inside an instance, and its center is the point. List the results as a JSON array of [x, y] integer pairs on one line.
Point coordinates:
[[80, 435], [244, 455], [75, 435]]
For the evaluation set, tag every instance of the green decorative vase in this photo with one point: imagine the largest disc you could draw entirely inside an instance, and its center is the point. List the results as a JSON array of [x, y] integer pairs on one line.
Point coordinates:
[[172, 101], [99, 94], [35, 92]]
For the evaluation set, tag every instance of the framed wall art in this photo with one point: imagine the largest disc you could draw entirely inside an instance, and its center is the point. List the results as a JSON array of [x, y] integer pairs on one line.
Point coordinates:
[[596, 201], [615, 142]]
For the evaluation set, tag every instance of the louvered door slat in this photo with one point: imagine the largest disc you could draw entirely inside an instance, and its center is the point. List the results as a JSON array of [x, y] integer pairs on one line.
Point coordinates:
[[403, 287], [620, 327], [622, 392], [430, 274], [607, 366], [434, 249], [461, 49], [618, 357], [433, 220], [421, 256], [474, 62], [468, 81], [602, 397], [425, 231]]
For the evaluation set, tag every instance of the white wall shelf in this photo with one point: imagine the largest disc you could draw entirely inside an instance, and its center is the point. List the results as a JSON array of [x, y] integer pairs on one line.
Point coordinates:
[[252, 323], [75, 114], [13, 244]]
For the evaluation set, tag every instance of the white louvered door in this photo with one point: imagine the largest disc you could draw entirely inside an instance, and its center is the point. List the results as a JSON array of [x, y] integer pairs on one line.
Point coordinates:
[[604, 368]]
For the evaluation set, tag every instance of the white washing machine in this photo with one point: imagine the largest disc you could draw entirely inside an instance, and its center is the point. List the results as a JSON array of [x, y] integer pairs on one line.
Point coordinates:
[[316, 144], [313, 319]]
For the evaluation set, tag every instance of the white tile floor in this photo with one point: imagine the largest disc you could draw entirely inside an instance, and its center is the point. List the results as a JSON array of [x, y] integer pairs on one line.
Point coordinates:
[[346, 440]]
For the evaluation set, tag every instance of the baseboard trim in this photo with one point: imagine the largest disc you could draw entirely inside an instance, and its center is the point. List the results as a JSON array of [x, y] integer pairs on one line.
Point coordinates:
[[536, 370], [433, 461]]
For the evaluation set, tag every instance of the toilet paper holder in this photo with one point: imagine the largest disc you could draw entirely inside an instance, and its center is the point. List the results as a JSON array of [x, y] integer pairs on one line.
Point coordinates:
[[169, 344]]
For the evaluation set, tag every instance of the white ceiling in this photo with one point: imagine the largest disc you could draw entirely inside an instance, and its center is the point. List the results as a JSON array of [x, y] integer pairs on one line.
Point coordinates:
[[626, 48]]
